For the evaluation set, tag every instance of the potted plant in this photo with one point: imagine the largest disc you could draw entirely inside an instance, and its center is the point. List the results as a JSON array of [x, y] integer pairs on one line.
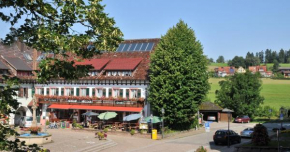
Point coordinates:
[[141, 99]]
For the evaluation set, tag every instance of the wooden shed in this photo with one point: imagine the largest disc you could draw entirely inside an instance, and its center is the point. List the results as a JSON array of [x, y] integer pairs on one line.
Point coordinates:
[[210, 110]]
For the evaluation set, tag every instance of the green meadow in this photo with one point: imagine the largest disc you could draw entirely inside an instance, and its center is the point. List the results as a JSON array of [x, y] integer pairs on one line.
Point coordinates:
[[211, 66], [275, 92]]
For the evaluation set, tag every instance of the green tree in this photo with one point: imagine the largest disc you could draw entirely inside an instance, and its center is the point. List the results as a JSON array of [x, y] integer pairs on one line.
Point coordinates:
[[282, 56], [178, 77], [220, 59], [275, 66], [241, 93], [260, 135], [237, 61], [251, 60], [49, 26]]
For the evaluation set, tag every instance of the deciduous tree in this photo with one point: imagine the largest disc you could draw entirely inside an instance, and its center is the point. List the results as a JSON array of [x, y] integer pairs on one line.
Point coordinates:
[[240, 93], [178, 77], [220, 59]]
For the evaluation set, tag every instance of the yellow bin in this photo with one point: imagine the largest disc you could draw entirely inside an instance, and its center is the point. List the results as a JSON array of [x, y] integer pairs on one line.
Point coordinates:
[[154, 134]]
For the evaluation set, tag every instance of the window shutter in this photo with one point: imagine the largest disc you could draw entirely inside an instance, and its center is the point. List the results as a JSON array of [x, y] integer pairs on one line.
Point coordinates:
[[42, 91], [32, 92], [104, 92], [127, 93], [26, 92], [57, 90], [20, 92], [47, 91], [62, 91], [94, 92], [87, 91], [139, 93], [110, 92], [78, 91], [72, 91], [121, 93]]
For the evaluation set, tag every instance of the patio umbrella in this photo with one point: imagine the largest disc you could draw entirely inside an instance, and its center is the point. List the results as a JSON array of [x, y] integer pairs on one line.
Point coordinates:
[[107, 115], [154, 120], [90, 113], [132, 117]]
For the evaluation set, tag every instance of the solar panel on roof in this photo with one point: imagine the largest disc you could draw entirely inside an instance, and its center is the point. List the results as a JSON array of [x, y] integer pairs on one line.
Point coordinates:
[[120, 47], [126, 47], [132, 48], [138, 46], [150, 46], [144, 46]]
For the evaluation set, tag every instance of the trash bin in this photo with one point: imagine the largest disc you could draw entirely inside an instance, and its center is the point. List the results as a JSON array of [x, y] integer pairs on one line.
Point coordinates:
[[67, 124], [154, 134], [62, 124]]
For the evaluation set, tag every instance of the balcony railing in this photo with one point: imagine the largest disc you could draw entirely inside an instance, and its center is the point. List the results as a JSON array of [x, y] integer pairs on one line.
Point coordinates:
[[85, 100]]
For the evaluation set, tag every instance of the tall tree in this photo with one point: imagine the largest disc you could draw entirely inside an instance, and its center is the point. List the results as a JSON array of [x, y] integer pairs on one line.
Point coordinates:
[[178, 77], [220, 59], [237, 61], [240, 93], [282, 56], [275, 66], [268, 56], [251, 60], [274, 56], [261, 56], [49, 27]]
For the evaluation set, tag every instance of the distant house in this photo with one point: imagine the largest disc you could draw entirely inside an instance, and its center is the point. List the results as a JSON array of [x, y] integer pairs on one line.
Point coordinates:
[[224, 71], [261, 69], [241, 70], [285, 71]]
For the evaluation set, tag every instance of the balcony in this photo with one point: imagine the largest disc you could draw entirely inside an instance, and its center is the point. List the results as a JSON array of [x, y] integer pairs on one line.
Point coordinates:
[[86, 100]]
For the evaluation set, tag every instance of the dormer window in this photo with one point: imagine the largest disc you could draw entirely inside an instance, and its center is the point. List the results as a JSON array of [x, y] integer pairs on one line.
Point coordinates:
[[119, 73]]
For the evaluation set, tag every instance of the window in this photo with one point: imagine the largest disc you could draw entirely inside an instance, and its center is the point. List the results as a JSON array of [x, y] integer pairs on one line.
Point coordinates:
[[99, 93], [109, 73], [127, 73], [40, 91], [54, 91], [23, 92], [135, 93], [118, 93], [84, 92], [69, 91]]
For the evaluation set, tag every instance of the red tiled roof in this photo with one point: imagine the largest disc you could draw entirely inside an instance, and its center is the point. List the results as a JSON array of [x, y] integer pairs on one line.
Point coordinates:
[[123, 64], [257, 68], [98, 64]]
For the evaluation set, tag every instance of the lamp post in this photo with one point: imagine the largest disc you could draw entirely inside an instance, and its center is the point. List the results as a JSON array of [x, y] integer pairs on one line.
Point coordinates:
[[162, 130], [229, 129], [228, 111], [151, 120]]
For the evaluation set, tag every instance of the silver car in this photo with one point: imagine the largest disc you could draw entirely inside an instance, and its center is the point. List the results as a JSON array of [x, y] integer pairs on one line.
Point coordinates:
[[247, 132]]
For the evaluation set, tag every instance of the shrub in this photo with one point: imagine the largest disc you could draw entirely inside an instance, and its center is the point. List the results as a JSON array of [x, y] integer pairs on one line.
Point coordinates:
[[74, 123], [132, 132], [260, 135], [143, 131], [286, 131], [106, 130], [201, 149]]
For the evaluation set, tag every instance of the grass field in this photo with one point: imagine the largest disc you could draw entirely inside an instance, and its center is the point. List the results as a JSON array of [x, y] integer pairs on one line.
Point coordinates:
[[275, 92], [215, 65], [270, 65]]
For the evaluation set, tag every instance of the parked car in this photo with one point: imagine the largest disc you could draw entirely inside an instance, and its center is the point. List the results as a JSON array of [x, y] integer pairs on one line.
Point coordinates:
[[223, 136], [243, 119], [211, 118], [26, 121], [247, 132]]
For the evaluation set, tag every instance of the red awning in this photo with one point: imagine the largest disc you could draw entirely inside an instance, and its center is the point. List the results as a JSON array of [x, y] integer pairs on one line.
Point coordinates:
[[106, 108], [58, 106]]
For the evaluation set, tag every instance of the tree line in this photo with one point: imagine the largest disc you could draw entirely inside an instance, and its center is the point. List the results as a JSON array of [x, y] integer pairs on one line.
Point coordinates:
[[251, 59]]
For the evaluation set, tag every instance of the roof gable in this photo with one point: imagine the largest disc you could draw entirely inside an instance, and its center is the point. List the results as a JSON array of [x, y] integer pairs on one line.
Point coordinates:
[[98, 64], [3, 66], [18, 64], [123, 64]]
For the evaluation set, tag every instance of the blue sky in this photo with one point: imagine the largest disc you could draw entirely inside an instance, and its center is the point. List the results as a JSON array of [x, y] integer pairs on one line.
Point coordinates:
[[224, 27]]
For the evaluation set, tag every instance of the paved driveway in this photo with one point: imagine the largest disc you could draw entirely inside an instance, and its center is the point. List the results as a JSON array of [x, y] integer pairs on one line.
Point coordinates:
[[67, 140]]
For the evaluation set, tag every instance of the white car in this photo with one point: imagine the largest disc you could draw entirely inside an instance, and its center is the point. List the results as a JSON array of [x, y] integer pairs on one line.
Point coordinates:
[[211, 118], [26, 121]]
